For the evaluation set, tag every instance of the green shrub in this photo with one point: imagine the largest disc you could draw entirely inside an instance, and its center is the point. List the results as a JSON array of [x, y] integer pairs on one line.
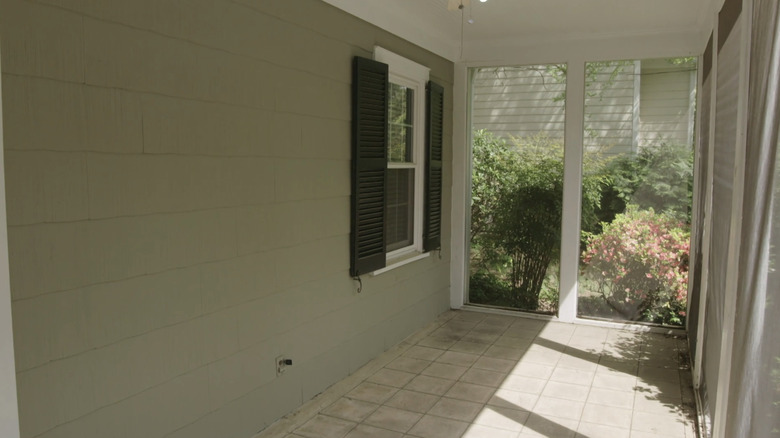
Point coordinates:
[[658, 177], [516, 211], [639, 265]]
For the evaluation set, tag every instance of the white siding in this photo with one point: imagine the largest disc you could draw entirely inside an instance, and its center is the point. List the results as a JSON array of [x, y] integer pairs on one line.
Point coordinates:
[[518, 102], [624, 110], [609, 109], [666, 110]]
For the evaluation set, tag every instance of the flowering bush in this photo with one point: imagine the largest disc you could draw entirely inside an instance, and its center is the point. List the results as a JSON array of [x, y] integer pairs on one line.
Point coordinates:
[[639, 264]]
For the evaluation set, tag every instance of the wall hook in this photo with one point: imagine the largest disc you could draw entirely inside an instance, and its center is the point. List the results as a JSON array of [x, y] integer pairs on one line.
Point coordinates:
[[360, 284]]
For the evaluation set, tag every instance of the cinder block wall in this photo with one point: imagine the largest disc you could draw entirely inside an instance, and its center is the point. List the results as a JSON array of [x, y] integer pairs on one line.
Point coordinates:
[[178, 205]]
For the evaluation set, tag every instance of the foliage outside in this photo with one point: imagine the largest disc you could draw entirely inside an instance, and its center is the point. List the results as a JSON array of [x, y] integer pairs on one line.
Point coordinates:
[[634, 213], [639, 264], [516, 220]]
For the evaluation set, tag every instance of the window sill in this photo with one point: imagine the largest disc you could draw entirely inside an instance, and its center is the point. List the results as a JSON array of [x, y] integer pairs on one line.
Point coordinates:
[[400, 261]]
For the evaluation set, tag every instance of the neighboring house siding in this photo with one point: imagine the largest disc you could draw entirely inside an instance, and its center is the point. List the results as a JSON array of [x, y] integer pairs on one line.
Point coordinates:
[[518, 102], [644, 103], [178, 207], [609, 110], [667, 108]]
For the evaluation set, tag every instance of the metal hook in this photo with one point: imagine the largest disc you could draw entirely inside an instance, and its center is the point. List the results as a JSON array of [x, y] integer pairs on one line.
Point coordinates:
[[360, 284]]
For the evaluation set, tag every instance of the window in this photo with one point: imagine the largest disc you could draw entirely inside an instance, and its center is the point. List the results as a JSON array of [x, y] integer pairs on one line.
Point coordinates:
[[396, 167], [405, 158]]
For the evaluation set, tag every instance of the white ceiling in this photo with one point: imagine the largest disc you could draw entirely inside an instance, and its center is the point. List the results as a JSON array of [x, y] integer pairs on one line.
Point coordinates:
[[516, 22]]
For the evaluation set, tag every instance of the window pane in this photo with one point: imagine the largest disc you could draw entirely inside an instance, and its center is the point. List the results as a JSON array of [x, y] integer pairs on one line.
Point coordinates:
[[517, 180], [636, 198], [399, 226], [400, 129]]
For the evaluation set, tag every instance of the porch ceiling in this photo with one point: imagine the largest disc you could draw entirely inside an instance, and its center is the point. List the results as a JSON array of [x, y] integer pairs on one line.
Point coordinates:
[[516, 22]]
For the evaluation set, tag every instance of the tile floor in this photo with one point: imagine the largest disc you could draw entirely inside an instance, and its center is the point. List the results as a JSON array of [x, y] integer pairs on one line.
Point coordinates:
[[472, 374]]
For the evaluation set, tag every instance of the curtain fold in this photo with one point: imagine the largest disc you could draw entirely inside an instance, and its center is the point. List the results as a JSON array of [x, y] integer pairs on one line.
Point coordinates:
[[754, 393]]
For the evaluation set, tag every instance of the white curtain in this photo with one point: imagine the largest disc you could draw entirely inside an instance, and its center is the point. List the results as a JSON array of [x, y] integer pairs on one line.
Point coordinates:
[[724, 153], [754, 392]]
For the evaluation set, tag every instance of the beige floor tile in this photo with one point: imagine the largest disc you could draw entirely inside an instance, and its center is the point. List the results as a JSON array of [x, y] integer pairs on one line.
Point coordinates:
[[524, 384], [394, 419], [497, 321], [469, 347], [412, 401], [579, 361], [444, 371], [546, 426], [481, 337], [521, 332], [620, 352], [456, 409], [502, 418], [544, 357], [494, 364], [623, 382], [474, 317], [437, 427], [655, 405], [483, 377], [480, 431], [470, 392], [531, 369], [569, 375], [408, 364], [607, 416], [590, 430], [505, 352], [566, 391], [639, 434], [569, 381], [556, 407], [590, 332], [611, 397], [394, 378], [449, 332], [424, 353], [365, 431], [323, 426], [457, 358], [371, 392], [667, 425], [505, 398], [438, 342], [430, 385], [350, 409], [612, 365], [659, 389], [510, 342]]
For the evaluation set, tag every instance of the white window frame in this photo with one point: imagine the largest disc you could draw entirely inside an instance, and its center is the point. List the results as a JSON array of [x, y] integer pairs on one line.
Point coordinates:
[[414, 76]]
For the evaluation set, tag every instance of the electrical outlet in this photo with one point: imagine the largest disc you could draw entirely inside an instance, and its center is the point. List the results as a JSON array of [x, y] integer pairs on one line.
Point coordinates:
[[281, 364]]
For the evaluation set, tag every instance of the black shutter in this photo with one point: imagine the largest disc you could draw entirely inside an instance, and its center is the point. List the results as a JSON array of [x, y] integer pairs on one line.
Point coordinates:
[[434, 145], [370, 90]]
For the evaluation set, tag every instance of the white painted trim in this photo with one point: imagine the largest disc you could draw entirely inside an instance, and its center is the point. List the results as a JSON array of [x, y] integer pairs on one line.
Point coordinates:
[[635, 108], [9, 410], [461, 180], [640, 328], [400, 262], [572, 186], [692, 103], [720, 415], [707, 232], [414, 76]]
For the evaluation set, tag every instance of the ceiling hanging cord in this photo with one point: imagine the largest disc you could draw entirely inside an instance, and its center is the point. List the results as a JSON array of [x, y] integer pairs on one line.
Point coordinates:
[[461, 29]]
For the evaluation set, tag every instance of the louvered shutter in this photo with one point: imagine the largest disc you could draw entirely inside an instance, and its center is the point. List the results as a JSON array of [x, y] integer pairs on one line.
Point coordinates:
[[434, 145], [370, 87]]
